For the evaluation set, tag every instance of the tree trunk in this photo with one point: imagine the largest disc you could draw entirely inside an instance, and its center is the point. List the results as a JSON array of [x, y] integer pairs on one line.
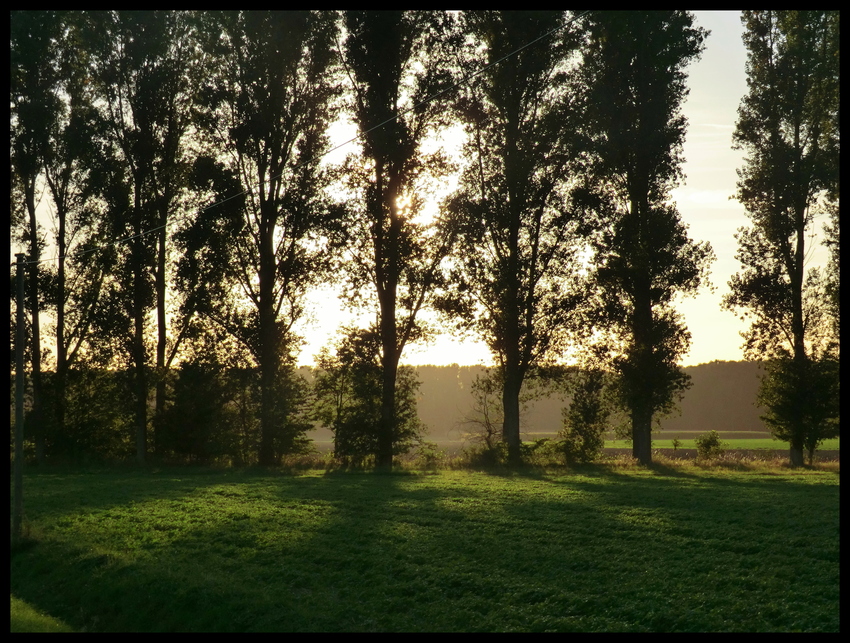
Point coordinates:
[[513, 376], [511, 282], [642, 388], [384, 458], [642, 436], [267, 377], [796, 455], [139, 351], [269, 346], [797, 277], [160, 344], [35, 356], [387, 267], [61, 350], [510, 409], [389, 366]]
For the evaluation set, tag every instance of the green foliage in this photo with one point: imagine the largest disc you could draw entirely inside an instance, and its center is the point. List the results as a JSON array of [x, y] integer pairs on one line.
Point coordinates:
[[483, 423], [98, 416], [801, 400], [292, 414], [543, 452], [429, 455], [483, 457], [643, 254], [709, 445], [348, 390], [586, 419], [212, 415]]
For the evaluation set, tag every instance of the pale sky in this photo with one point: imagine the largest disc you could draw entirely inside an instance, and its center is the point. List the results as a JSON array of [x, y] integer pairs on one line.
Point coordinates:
[[717, 83]]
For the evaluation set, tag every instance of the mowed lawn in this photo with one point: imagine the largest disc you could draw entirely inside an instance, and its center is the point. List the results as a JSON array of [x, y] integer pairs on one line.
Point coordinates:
[[602, 548]]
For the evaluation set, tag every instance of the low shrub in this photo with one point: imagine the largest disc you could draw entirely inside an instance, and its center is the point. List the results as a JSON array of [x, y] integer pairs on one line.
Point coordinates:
[[429, 455], [585, 420], [709, 446], [479, 456]]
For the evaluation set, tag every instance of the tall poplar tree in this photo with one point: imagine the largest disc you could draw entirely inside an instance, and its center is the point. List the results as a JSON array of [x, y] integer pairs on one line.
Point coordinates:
[[141, 61], [73, 146], [635, 85], [394, 61], [34, 104], [788, 127], [519, 233], [266, 107]]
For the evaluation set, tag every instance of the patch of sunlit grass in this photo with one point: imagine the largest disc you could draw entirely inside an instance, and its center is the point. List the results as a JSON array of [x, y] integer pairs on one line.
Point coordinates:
[[604, 547], [24, 618]]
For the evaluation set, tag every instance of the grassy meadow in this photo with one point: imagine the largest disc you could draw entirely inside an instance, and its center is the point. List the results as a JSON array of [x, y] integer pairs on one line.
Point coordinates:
[[730, 444], [608, 547]]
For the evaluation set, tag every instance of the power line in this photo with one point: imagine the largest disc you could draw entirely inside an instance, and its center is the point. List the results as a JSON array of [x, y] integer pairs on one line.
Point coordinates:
[[318, 157]]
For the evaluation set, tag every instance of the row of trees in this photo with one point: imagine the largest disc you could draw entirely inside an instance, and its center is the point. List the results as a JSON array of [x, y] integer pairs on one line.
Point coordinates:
[[180, 152]]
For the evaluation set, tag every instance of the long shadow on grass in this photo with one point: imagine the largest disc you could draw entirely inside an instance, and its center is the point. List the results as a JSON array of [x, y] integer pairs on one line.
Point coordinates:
[[461, 552]]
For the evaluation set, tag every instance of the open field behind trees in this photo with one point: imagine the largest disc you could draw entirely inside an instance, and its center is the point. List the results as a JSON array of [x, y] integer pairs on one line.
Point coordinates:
[[722, 398], [612, 547]]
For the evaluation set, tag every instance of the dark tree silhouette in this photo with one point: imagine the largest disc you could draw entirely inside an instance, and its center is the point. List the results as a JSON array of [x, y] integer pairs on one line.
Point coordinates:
[[141, 62], [266, 108], [635, 82], [788, 126], [72, 171], [394, 61], [349, 395], [34, 104], [518, 232]]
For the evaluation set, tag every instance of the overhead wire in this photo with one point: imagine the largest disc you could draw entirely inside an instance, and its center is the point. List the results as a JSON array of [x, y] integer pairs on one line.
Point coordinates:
[[318, 157]]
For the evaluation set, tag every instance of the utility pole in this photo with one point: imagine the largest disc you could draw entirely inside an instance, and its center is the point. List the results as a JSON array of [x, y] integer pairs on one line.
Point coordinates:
[[19, 403]]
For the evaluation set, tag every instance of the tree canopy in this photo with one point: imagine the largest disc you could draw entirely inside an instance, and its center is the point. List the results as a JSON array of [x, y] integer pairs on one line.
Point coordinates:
[[634, 86], [518, 234], [177, 161], [788, 127]]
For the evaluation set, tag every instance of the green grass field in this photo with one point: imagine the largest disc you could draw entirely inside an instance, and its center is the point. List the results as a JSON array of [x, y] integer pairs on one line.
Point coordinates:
[[601, 548], [24, 618], [731, 444]]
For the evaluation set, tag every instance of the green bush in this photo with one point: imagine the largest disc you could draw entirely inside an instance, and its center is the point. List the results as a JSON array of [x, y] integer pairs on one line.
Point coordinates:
[[477, 456], [347, 398], [585, 421], [430, 456], [709, 445]]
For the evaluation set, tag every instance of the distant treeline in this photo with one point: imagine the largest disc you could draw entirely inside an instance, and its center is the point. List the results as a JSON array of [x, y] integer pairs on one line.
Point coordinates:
[[722, 398], [213, 417]]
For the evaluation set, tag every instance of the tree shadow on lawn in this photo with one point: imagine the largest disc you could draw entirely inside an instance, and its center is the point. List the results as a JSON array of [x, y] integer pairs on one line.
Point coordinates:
[[351, 552]]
